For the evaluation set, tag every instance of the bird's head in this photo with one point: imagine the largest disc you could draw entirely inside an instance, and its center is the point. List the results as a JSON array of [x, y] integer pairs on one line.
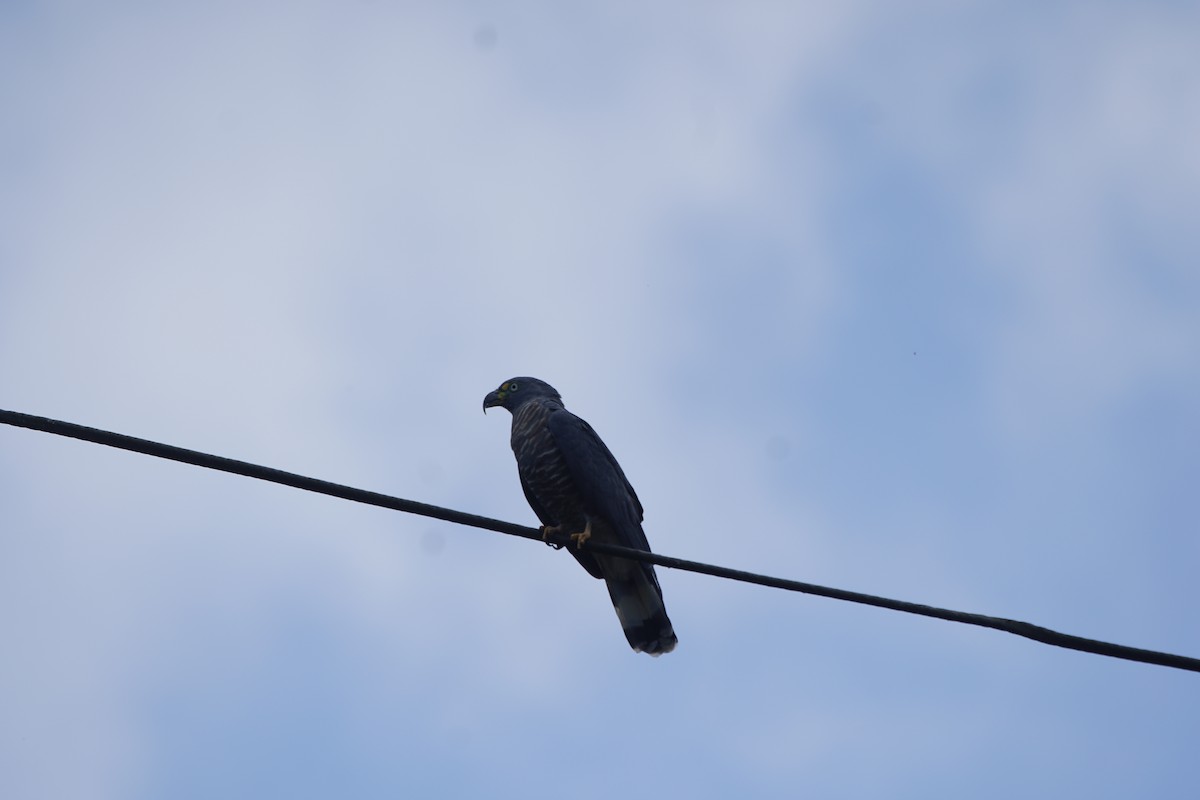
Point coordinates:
[[515, 392]]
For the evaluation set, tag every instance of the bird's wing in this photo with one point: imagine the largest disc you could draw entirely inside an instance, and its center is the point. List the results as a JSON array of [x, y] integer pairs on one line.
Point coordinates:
[[598, 477], [587, 560]]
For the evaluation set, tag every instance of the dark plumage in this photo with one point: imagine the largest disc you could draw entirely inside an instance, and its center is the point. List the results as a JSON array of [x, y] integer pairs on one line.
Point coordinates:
[[575, 486]]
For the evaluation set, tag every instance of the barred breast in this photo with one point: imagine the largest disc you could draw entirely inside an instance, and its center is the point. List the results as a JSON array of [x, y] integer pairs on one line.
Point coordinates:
[[540, 464]]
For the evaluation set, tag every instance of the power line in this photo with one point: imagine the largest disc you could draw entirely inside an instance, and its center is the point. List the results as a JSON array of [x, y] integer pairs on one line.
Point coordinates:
[[172, 453]]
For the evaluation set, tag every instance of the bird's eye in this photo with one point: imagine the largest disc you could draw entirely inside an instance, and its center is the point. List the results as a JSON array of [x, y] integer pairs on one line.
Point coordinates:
[[512, 387]]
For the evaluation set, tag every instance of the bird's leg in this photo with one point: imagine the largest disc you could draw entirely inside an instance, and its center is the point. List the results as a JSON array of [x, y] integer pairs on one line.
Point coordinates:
[[580, 538], [550, 530]]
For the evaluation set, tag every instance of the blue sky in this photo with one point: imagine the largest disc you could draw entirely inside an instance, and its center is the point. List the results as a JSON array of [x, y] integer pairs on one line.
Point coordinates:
[[900, 299]]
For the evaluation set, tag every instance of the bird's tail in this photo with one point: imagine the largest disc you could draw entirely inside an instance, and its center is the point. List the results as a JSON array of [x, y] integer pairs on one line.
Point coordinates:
[[639, 605]]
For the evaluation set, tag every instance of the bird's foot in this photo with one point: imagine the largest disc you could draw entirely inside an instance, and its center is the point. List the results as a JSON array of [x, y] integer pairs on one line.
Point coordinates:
[[550, 530], [580, 538]]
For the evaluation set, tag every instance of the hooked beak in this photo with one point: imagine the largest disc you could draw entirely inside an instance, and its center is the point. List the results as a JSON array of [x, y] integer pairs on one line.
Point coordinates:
[[493, 399]]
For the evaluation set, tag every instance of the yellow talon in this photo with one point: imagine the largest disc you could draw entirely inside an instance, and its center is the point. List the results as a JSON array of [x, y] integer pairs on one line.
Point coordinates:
[[550, 530], [580, 538]]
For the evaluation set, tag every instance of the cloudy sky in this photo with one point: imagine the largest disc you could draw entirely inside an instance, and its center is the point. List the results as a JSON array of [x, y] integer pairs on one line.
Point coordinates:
[[899, 298]]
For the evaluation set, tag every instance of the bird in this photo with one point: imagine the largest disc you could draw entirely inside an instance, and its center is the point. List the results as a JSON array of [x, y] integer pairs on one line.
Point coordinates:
[[575, 486]]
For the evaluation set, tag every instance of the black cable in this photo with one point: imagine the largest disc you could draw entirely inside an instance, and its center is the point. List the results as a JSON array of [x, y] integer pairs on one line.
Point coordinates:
[[1035, 632]]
